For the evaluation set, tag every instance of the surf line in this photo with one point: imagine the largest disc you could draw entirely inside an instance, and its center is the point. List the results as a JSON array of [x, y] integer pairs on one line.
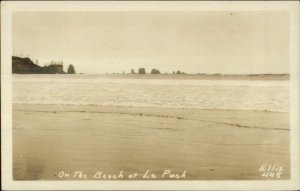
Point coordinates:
[[163, 116]]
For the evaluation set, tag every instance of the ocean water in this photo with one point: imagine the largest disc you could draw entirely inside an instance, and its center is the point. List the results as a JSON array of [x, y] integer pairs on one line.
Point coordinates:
[[151, 91], [216, 146]]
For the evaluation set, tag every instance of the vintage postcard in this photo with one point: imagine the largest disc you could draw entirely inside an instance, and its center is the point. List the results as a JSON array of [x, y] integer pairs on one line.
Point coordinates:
[[150, 95]]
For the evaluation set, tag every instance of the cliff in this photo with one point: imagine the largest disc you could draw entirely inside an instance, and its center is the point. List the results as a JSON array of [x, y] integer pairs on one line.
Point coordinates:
[[26, 66]]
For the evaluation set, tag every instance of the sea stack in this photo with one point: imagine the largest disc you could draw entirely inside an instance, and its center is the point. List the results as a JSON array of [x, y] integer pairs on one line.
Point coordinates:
[[155, 71], [142, 71], [71, 69]]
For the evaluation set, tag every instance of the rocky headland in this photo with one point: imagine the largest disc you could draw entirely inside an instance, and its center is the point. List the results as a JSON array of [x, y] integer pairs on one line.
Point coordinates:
[[26, 66]]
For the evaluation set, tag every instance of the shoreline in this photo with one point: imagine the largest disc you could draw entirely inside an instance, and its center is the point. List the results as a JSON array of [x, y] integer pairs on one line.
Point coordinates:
[[208, 144], [18, 105], [256, 77]]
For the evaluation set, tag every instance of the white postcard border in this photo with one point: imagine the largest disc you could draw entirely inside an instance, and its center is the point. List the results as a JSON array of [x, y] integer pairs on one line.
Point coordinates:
[[7, 8]]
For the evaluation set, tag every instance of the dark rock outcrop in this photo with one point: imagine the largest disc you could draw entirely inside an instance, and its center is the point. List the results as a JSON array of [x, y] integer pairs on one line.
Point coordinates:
[[54, 69], [155, 71], [142, 71], [71, 69], [26, 66], [178, 72], [132, 71]]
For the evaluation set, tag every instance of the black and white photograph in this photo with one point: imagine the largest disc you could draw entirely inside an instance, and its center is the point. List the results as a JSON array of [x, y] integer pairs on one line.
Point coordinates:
[[129, 92]]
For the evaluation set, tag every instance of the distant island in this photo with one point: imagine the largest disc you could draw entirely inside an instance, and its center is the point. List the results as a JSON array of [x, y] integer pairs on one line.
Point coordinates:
[[26, 66], [205, 76]]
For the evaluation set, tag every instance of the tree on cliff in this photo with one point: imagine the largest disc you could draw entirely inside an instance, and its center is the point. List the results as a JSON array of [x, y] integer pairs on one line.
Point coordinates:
[[71, 69]]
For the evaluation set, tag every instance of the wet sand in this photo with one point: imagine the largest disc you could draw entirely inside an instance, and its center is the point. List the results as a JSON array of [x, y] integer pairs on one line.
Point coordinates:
[[207, 144]]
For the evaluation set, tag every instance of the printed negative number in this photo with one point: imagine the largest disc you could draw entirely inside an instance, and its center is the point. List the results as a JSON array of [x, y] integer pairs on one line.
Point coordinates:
[[271, 171]]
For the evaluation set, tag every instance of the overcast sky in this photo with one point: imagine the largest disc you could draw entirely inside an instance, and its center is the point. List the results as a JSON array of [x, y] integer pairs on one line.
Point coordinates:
[[193, 42]]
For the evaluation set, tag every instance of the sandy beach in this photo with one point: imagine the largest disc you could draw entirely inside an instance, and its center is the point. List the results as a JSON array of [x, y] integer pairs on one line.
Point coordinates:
[[205, 144]]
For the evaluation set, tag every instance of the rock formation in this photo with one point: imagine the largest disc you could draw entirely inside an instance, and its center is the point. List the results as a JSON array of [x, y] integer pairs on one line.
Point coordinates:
[[26, 66], [155, 71], [55, 69], [132, 71], [178, 72], [71, 69], [142, 71]]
